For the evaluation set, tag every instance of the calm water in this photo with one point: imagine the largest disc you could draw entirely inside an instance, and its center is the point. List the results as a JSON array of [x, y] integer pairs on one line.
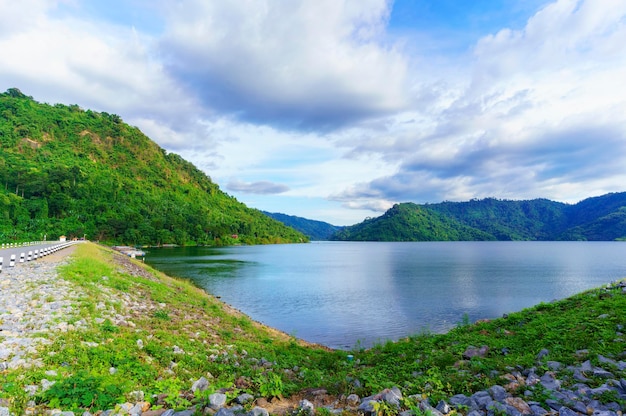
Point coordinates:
[[344, 294]]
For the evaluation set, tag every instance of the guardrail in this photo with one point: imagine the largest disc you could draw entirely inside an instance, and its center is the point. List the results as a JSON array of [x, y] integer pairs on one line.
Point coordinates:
[[36, 254], [24, 244]]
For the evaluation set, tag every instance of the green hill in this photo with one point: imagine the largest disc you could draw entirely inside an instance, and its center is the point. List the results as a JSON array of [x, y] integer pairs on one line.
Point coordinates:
[[74, 172], [595, 219], [315, 230], [411, 222]]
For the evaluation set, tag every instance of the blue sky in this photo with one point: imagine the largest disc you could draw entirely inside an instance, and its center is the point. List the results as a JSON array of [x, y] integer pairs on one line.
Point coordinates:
[[337, 109]]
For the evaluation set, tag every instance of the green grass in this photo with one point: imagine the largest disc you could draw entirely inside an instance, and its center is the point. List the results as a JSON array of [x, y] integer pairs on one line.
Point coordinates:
[[114, 357]]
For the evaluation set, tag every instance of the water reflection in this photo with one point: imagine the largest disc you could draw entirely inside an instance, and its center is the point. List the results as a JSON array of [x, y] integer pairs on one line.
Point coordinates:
[[339, 294]]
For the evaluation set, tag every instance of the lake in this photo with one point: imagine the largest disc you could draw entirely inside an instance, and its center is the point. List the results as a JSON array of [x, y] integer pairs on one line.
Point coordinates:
[[349, 294]]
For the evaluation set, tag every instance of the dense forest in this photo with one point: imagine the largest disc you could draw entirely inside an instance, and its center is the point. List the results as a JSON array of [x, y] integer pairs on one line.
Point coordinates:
[[80, 173], [315, 230], [600, 218]]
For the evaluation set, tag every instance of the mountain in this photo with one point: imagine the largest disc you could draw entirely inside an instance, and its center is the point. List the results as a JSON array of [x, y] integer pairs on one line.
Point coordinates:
[[315, 230], [600, 218], [69, 171]]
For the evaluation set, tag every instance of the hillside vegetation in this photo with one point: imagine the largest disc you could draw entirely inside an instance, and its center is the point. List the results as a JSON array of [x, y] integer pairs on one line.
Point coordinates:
[[315, 230], [601, 218], [69, 171]]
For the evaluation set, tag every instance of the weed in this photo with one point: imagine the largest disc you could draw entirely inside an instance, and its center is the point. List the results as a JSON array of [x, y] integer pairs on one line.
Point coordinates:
[[610, 396], [108, 326], [270, 385], [162, 314], [83, 391], [172, 387], [382, 408]]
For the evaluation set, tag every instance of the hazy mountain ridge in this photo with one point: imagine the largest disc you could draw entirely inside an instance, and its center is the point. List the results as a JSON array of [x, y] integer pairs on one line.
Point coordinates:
[[315, 230], [65, 170], [600, 218]]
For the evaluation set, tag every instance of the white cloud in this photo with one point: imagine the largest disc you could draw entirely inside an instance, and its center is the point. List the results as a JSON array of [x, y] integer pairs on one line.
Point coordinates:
[[300, 63], [260, 187], [544, 107], [318, 96]]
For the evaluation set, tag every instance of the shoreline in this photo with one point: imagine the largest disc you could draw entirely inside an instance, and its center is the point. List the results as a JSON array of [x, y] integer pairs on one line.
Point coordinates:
[[171, 329]]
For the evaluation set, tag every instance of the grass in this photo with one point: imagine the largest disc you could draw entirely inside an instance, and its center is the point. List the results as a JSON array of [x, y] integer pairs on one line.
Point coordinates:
[[149, 332]]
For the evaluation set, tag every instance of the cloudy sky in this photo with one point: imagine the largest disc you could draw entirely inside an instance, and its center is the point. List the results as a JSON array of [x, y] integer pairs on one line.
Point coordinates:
[[336, 109]]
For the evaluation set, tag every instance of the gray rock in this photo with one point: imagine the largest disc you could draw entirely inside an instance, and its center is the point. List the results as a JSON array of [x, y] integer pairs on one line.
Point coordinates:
[[392, 396], [4, 411], [224, 411], [498, 393], [586, 367], [137, 396], [136, 410], [554, 365], [188, 412], [462, 400], [46, 384], [544, 352], [482, 399], [496, 409], [471, 352], [566, 411], [443, 407], [244, 398], [538, 410], [217, 400], [258, 411], [367, 406], [200, 385], [549, 382], [579, 407], [512, 411], [600, 390], [353, 400], [578, 376], [475, 413], [554, 404], [306, 406], [428, 409], [602, 373], [604, 360]]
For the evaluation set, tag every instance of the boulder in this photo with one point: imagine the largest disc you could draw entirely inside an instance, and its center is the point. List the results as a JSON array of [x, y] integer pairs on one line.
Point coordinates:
[[566, 411], [200, 385], [217, 400], [471, 352], [498, 393], [258, 411]]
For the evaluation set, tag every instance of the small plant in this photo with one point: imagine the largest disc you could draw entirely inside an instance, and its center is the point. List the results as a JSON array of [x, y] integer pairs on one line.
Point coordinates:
[[609, 396], [108, 326], [162, 314], [322, 411], [16, 395], [385, 409], [270, 385], [82, 391], [172, 387]]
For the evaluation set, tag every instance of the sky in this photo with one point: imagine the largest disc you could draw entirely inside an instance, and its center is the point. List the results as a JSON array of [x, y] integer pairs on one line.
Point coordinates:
[[335, 110]]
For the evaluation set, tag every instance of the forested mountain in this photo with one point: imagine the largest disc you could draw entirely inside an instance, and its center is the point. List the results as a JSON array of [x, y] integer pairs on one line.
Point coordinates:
[[315, 230], [74, 172], [601, 219]]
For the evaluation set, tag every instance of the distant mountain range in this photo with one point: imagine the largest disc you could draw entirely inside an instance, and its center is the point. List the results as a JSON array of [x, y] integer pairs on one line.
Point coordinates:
[[315, 230], [600, 218]]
